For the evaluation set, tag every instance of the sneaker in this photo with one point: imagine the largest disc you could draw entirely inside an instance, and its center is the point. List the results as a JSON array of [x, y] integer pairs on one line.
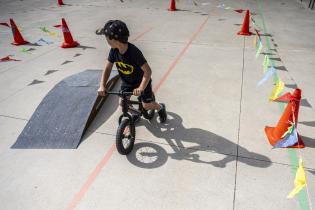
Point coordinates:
[[162, 113], [135, 118]]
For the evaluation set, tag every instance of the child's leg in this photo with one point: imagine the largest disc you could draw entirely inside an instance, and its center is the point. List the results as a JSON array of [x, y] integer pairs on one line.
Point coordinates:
[[149, 103], [159, 107], [151, 106], [148, 99]]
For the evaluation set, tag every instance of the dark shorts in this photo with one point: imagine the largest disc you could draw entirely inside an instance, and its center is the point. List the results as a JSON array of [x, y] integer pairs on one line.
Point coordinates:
[[146, 97]]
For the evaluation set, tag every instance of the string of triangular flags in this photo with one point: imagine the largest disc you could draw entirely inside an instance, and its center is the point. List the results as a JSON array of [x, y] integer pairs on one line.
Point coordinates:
[[268, 71], [50, 33], [290, 137]]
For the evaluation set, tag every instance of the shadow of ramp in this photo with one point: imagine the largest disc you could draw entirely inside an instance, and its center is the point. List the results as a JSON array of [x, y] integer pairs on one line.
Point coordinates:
[[60, 120]]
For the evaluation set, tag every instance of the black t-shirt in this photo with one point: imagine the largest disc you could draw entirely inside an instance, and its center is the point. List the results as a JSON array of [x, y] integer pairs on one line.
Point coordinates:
[[128, 64]]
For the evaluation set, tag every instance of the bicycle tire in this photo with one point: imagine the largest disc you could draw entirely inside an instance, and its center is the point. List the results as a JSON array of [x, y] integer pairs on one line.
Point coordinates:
[[120, 137]]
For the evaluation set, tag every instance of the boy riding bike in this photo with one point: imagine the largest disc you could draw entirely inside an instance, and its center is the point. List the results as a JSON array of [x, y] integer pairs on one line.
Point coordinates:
[[133, 68]]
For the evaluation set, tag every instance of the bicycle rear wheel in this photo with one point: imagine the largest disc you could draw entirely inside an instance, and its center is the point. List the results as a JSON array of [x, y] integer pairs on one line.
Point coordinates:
[[125, 137]]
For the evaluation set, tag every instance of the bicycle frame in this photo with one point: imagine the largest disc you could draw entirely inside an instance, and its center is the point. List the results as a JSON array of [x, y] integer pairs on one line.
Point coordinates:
[[121, 135], [127, 104]]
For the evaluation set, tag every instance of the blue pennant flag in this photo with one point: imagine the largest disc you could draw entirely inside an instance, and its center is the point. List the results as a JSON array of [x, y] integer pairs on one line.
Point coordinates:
[[289, 140], [41, 40], [268, 74]]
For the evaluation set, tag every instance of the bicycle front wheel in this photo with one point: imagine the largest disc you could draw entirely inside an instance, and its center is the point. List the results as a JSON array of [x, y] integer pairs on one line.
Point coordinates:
[[125, 137]]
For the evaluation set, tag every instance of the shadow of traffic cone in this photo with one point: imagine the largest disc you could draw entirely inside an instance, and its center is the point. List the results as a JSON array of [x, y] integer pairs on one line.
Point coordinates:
[[60, 3], [18, 39], [5, 24], [68, 40], [275, 134], [245, 28], [172, 6]]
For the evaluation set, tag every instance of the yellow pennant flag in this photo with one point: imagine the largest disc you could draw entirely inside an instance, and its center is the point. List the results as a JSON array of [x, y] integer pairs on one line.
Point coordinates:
[[299, 181], [255, 41], [277, 90], [52, 33]]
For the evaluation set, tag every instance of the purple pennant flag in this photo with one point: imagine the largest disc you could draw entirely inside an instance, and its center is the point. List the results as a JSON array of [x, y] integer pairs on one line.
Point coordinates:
[[288, 140], [268, 74]]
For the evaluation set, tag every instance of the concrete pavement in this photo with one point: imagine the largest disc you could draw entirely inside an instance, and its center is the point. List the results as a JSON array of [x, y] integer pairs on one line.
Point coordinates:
[[211, 154]]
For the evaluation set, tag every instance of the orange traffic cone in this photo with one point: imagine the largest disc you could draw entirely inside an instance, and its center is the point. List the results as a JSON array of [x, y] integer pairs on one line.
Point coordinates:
[[69, 42], [172, 6], [60, 3], [245, 28], [284, 98], [18, 39], [275, 134]]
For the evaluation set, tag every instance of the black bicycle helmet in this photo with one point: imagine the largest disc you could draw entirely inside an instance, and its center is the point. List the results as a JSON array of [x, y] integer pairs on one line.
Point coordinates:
[[115, 29]]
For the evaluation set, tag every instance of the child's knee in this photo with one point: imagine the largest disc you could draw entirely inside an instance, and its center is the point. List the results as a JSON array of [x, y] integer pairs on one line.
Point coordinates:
[[147, 106]]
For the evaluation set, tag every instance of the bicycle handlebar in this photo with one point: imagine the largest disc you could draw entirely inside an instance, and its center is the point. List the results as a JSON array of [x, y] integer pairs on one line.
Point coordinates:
[[119, 93]]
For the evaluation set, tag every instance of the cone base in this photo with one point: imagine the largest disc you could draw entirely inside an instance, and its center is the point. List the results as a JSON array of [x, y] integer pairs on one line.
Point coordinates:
[[172, 10], [69, 45], [245, 33], [60, 3], [273, 140], [20, 43]]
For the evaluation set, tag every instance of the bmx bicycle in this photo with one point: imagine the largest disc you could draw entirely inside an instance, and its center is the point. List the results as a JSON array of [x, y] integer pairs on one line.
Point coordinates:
[[126, 132]]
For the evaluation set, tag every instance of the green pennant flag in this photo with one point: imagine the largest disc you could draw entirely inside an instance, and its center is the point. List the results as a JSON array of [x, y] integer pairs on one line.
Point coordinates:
[[266, 63], [289, 131], [260, 47], [44, 29], [24, 50]]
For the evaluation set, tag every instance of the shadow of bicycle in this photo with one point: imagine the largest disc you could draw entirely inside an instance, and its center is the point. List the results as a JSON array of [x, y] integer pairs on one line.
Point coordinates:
[[151, 155]]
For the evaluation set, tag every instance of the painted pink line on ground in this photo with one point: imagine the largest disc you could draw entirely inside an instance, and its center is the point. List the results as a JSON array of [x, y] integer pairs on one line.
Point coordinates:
[[140, 35], [157, 87], [78, 197]]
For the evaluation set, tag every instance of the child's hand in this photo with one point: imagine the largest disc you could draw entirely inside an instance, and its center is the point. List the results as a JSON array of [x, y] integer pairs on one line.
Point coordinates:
[[137, 91], [101, 91]]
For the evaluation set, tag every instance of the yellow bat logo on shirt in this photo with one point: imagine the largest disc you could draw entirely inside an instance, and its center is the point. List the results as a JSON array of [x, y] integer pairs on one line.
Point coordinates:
[[124, 68]]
